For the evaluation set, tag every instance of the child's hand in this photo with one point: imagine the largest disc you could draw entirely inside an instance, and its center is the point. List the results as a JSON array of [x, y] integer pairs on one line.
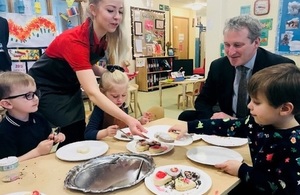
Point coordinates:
[[44, 147], [145, 118], [230, 166], [180, 129], [57, 138], [112, 130]]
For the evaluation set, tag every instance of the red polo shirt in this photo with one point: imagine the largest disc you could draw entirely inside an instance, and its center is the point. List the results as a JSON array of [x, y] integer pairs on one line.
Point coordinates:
[[73, 46]]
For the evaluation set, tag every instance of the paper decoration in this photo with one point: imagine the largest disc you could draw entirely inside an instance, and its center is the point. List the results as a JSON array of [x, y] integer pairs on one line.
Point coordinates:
[[37, 7], [2, 6], [24, 54], [72, 11], [70, 3], [30, 30], [18, 67], [20, 7], [140, 62]]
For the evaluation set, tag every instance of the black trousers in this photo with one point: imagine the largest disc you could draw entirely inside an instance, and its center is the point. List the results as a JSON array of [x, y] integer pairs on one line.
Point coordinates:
[[73, 132]]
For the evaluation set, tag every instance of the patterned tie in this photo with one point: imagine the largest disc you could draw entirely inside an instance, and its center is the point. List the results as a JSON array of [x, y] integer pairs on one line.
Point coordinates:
[[241, 108]]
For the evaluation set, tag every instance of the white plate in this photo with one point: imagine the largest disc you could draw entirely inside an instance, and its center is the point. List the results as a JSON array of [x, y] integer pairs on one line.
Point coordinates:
[[126, 130], [23, 193], [184, 141], [205, 179], [131, 147], [196, 137], [224, 141], [69, 152], [211, 155]]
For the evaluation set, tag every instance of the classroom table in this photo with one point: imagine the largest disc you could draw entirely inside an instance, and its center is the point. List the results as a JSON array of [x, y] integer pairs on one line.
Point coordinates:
[[184, 85], [47, 173]]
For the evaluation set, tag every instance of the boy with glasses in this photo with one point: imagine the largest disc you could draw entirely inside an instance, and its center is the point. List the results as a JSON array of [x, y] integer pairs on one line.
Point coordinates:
[[23, 133]]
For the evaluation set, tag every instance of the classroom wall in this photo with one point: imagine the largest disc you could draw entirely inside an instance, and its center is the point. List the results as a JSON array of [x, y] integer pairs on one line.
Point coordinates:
[[230, 8]]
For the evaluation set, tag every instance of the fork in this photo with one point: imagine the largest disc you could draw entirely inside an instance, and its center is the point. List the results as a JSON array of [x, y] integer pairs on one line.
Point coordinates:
[[127, 136]]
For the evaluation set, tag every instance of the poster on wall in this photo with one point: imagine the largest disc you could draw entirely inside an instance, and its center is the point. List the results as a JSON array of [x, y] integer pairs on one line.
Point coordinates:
[[288, 32], [30, 30], [19, 67]]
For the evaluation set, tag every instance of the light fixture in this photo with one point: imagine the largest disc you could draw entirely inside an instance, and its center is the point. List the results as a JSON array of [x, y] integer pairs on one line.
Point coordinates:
[[197, 5]]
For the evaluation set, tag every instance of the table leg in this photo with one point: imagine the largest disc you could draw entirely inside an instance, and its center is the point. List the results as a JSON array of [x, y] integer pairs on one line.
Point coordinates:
[[160, 93], [183, 96], [135, 103]]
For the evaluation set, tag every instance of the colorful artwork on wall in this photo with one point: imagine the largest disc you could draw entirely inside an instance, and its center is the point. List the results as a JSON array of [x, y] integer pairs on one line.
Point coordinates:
[[288, 32], [30, 30]]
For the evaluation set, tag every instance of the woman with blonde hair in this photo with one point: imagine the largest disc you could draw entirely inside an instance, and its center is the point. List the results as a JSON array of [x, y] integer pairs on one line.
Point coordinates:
[[69, 64]]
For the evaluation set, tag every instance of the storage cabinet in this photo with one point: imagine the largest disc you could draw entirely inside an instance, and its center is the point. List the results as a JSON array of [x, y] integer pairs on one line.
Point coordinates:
[[152, 70]]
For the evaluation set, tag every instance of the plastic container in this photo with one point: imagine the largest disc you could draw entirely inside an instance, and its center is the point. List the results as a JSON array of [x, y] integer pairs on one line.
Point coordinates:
[[9, 169]]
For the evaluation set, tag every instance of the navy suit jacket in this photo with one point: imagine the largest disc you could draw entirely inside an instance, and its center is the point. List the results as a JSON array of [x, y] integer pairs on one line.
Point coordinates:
[[218, 87], [5, 60]]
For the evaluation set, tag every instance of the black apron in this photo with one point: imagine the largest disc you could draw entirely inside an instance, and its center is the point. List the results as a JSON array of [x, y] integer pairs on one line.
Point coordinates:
[[61, 97]]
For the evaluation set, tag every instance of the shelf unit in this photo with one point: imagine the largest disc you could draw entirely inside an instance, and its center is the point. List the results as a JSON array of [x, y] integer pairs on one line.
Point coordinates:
[[153, 70]]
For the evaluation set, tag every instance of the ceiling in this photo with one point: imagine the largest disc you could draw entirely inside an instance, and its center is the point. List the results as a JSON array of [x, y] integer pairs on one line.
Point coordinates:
[[183, 3]]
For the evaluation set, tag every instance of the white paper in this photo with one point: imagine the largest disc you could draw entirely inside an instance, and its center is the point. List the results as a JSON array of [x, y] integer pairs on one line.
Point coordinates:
[[137, 15], [138, 45], [30, 64], [28, 7], [140, 62], [18, 67], [181, 37]]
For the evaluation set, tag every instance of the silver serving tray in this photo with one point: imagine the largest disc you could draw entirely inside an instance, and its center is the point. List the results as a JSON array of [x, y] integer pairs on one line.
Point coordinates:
[[109, 173]]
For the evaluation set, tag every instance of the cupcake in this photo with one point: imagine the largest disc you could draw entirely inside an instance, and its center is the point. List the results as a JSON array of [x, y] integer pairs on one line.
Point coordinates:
[[173, 171]]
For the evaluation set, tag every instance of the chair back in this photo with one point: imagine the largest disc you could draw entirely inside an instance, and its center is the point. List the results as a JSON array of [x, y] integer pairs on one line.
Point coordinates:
[[156, 112], [134, 85], [197, 88]]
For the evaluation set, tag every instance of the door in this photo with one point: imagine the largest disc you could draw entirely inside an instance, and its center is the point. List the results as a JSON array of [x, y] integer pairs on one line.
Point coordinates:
[[181, 37]]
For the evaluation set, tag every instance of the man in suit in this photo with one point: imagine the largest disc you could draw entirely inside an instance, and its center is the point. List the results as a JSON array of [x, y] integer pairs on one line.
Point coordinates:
[[218, 97], [5, 60]]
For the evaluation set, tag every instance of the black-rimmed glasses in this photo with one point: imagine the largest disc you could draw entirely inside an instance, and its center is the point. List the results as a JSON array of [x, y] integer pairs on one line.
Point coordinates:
[[28, 96], [112, 68]]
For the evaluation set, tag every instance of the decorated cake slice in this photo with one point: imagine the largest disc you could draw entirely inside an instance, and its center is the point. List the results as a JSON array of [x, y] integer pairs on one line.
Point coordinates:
[[142, 145], [161, 178], [184, 184]]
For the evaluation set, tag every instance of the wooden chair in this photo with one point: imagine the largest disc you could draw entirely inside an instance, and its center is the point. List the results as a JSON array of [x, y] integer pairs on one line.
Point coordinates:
[[86, 98], [190, 95], [133, 98], [156, 112]]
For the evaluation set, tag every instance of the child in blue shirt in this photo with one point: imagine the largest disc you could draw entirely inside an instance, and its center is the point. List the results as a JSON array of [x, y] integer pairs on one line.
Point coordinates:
[[114, 85]]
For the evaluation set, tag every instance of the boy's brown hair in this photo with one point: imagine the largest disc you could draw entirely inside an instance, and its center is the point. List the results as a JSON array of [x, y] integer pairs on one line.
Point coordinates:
[[279, 84]]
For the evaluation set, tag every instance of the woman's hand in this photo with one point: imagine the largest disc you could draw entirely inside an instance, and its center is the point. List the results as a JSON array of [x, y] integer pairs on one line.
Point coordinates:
[[135, 126], [230, 166], [181, 129]]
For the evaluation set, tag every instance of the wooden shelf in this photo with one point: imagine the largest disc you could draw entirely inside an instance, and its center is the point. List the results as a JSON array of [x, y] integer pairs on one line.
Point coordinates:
[[155, 69]]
